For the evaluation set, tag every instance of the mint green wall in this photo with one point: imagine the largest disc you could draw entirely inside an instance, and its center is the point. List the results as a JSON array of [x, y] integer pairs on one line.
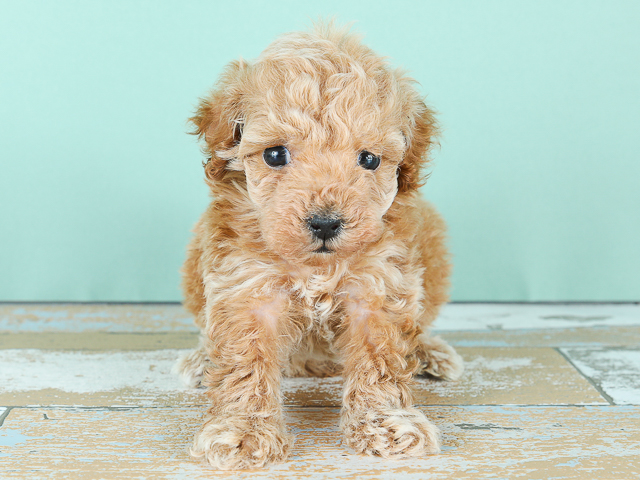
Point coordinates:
[[538, 175]]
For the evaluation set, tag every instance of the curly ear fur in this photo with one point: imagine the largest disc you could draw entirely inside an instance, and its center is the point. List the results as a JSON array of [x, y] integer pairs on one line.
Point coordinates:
[[422, 136], [219, 120]]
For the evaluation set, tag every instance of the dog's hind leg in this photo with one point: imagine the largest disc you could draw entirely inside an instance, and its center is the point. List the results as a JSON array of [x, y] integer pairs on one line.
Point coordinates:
[[438, 358], [191, 367], [312, 359], [301, 367]]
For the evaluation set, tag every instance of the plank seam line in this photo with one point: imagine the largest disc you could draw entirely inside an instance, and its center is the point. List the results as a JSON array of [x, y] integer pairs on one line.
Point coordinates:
[[454, 302], [586, 377], [299, 407], [5, 415]]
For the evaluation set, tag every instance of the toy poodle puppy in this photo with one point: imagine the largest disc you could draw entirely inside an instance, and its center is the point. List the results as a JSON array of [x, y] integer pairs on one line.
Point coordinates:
[[317, 255]]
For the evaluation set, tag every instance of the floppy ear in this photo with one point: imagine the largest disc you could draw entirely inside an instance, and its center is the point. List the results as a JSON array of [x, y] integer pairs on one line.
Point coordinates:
[[219, 120], [421, 136]]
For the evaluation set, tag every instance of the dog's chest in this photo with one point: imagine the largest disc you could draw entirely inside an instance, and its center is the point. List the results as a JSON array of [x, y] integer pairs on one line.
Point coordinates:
[[319, 296]]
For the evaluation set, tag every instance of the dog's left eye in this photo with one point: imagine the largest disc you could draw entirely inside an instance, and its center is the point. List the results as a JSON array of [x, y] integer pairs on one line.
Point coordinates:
[[368, 160], [276, 156]]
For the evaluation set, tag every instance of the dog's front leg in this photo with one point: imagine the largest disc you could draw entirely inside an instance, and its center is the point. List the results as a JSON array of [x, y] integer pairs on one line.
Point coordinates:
[[244, 426], [377, 413]]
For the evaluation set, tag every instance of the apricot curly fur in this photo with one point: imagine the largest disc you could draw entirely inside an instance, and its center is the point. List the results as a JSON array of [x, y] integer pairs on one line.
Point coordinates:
[[268, 301]]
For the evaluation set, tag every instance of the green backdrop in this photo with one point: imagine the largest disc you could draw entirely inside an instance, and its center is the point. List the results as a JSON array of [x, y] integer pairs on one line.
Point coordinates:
[[538, 175]]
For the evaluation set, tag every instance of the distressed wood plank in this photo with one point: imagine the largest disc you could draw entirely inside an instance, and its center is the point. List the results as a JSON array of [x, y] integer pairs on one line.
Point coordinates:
[[511, 376], [548, 337], [487, 442], [101, 341], [614, 370], [493, 376], [172, 317], [506, 316], [87, 317]]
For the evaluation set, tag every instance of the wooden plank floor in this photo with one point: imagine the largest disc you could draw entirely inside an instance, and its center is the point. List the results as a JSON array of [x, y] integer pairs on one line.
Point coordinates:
[[549, 391]]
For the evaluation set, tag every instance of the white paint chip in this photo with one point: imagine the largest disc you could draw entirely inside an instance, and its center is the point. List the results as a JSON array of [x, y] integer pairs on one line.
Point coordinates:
[[86, 372], [615, 370], [146, 372], [505, 316]]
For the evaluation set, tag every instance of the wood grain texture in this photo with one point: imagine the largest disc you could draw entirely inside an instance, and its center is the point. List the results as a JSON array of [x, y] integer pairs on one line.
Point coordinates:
[[615, 371], [614, 336], [172, 317], [581, 336], [520, 376], [508, 316], [86, 391], [96, 317], [99, 341], [478, 442]]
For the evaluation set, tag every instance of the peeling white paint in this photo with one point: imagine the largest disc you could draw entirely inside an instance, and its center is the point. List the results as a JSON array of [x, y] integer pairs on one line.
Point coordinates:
[[478, 442], [88, 372], [507, 376], [615, 370], [501, 316], [41, 318], [498, 364], [173, 317], [83, 372]]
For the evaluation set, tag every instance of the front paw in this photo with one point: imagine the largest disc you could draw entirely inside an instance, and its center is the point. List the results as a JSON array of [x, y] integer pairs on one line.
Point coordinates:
[[390, 432], [234, 443]]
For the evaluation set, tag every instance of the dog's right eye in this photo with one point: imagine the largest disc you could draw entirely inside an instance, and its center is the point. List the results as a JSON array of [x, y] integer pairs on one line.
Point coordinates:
[[368, 160], [276, 156]]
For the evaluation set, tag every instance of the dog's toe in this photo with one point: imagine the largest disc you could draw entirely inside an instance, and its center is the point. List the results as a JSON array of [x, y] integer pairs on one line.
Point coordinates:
[[391, 433], [191, 367], [439, 359], [235, 443]]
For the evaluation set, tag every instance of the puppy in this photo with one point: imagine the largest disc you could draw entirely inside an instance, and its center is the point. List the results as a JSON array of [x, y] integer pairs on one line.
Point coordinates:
[[317, 255]]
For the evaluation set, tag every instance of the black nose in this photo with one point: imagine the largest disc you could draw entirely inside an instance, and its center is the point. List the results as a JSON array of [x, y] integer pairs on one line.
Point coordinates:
[[324, 226]]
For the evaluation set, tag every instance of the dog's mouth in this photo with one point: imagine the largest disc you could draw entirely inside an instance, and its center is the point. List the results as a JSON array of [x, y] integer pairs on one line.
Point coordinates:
[[323, 249]]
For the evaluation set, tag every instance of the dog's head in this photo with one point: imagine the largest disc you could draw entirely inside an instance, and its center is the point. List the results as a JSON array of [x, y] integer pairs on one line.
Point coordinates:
[[322, 136]]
